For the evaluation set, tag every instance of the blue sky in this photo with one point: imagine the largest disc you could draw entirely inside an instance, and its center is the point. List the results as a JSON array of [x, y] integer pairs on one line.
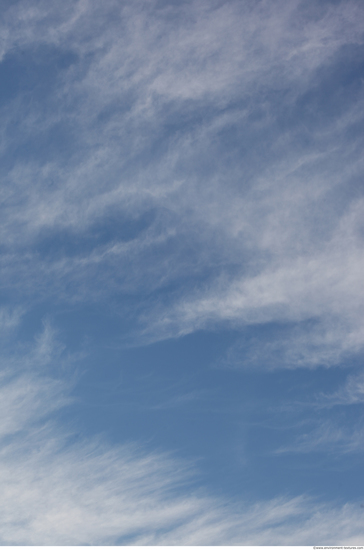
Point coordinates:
[[181, 270]]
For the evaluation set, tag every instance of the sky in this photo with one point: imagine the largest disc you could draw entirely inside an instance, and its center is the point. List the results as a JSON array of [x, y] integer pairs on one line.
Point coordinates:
[[181, 272]]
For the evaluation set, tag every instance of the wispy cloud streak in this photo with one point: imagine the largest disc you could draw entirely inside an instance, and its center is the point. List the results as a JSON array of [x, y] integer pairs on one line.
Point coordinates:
[[62, 490], [191, 165], [270, 230]]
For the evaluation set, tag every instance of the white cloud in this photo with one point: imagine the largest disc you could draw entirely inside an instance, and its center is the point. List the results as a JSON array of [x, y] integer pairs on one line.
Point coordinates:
[[156, 45], [269, 220], [10, 318], [274, 523], [351, 393], [272, 226], [58, 491], [322, 285], [328, 437], [309, 344]]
